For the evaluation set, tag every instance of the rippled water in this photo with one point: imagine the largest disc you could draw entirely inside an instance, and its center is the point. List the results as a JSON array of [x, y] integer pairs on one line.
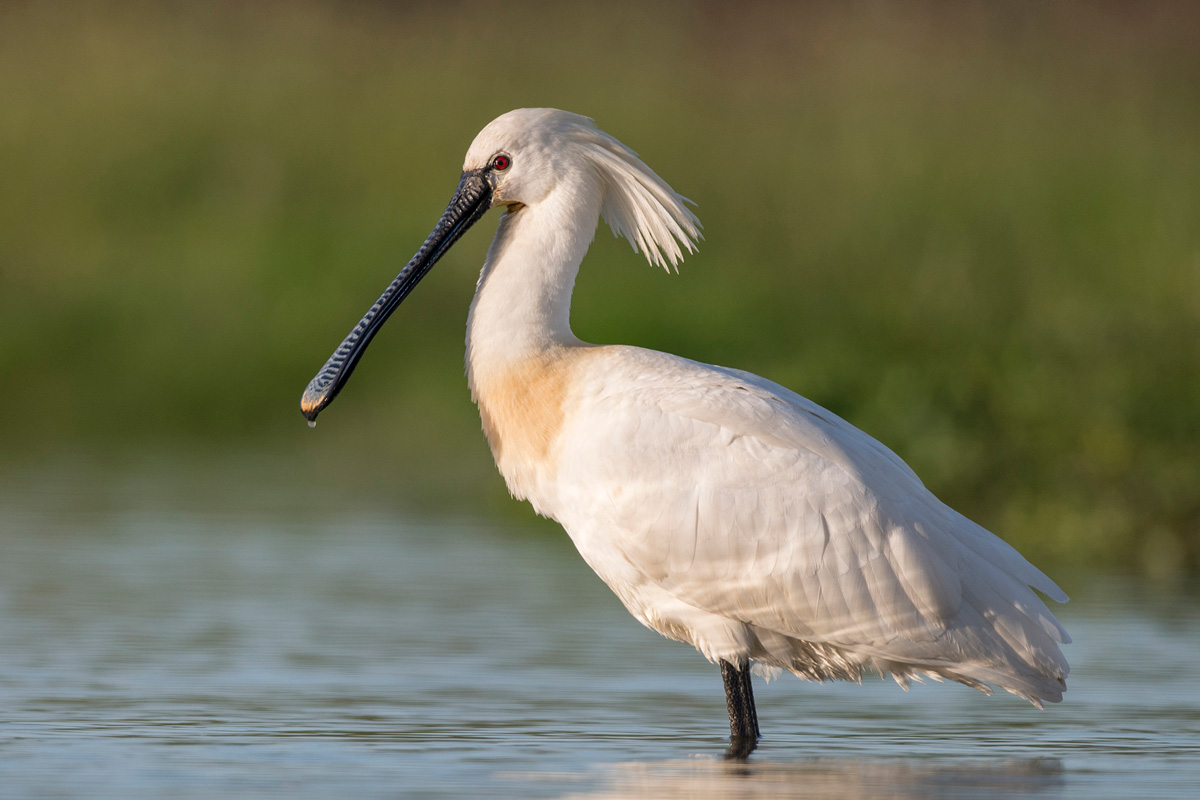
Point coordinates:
[[149, 651]]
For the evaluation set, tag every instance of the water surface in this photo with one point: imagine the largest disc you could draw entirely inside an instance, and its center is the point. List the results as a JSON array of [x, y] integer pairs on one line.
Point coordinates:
[[307, 649]]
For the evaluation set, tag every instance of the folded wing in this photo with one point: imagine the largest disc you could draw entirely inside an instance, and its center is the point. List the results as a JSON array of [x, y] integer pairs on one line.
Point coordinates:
[[744, 499]]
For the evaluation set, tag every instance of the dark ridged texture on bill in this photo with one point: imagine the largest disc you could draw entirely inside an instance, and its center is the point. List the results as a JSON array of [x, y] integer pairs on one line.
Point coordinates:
[[471, 201]]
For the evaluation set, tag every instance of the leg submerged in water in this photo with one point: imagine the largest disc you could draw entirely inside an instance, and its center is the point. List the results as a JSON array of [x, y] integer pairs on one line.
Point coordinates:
[[743, 718]]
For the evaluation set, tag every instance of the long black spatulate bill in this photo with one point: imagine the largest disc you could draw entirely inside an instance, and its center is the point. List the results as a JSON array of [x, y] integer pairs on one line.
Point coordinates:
[[471, 201]]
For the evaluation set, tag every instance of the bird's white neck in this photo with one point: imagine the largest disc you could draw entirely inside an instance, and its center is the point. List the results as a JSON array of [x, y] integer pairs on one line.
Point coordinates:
[[522, 305]]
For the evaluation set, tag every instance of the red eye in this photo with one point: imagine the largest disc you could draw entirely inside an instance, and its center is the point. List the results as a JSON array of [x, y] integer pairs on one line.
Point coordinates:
[[501, 163]]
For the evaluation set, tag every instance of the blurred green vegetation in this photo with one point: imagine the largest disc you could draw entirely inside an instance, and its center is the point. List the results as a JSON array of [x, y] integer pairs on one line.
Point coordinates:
[[973, 231]]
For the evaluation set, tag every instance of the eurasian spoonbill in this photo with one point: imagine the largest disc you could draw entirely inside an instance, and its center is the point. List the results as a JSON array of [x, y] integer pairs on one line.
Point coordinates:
[[724, 510]]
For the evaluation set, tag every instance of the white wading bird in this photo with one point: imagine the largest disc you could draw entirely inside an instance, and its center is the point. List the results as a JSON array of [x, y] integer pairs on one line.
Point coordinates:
[[723, 509]]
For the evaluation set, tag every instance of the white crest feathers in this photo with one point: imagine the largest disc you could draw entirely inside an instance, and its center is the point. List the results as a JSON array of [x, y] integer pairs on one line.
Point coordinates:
[[639, 205]]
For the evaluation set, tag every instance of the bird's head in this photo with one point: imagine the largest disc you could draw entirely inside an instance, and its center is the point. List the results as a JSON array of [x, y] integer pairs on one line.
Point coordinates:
[[527, 154]]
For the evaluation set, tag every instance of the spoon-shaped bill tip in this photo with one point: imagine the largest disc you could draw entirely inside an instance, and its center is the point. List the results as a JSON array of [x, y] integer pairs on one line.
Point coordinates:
[[311, 403]]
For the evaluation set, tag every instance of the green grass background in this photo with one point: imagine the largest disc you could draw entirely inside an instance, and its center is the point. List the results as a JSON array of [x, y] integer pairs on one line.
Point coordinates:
[[971, 229]]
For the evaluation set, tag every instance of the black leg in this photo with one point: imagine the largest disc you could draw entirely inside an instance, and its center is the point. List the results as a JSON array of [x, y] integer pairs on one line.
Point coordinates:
[[743, 718]]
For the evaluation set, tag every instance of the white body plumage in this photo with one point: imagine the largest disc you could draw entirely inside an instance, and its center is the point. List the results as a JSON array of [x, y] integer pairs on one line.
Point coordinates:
[[723, 509]]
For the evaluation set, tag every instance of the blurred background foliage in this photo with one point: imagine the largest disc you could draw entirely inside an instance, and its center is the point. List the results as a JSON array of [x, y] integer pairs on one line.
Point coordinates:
[[971, 229]]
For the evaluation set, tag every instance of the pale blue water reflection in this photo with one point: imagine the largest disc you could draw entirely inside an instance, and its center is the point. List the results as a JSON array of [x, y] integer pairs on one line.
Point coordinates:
[[305, 648]]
